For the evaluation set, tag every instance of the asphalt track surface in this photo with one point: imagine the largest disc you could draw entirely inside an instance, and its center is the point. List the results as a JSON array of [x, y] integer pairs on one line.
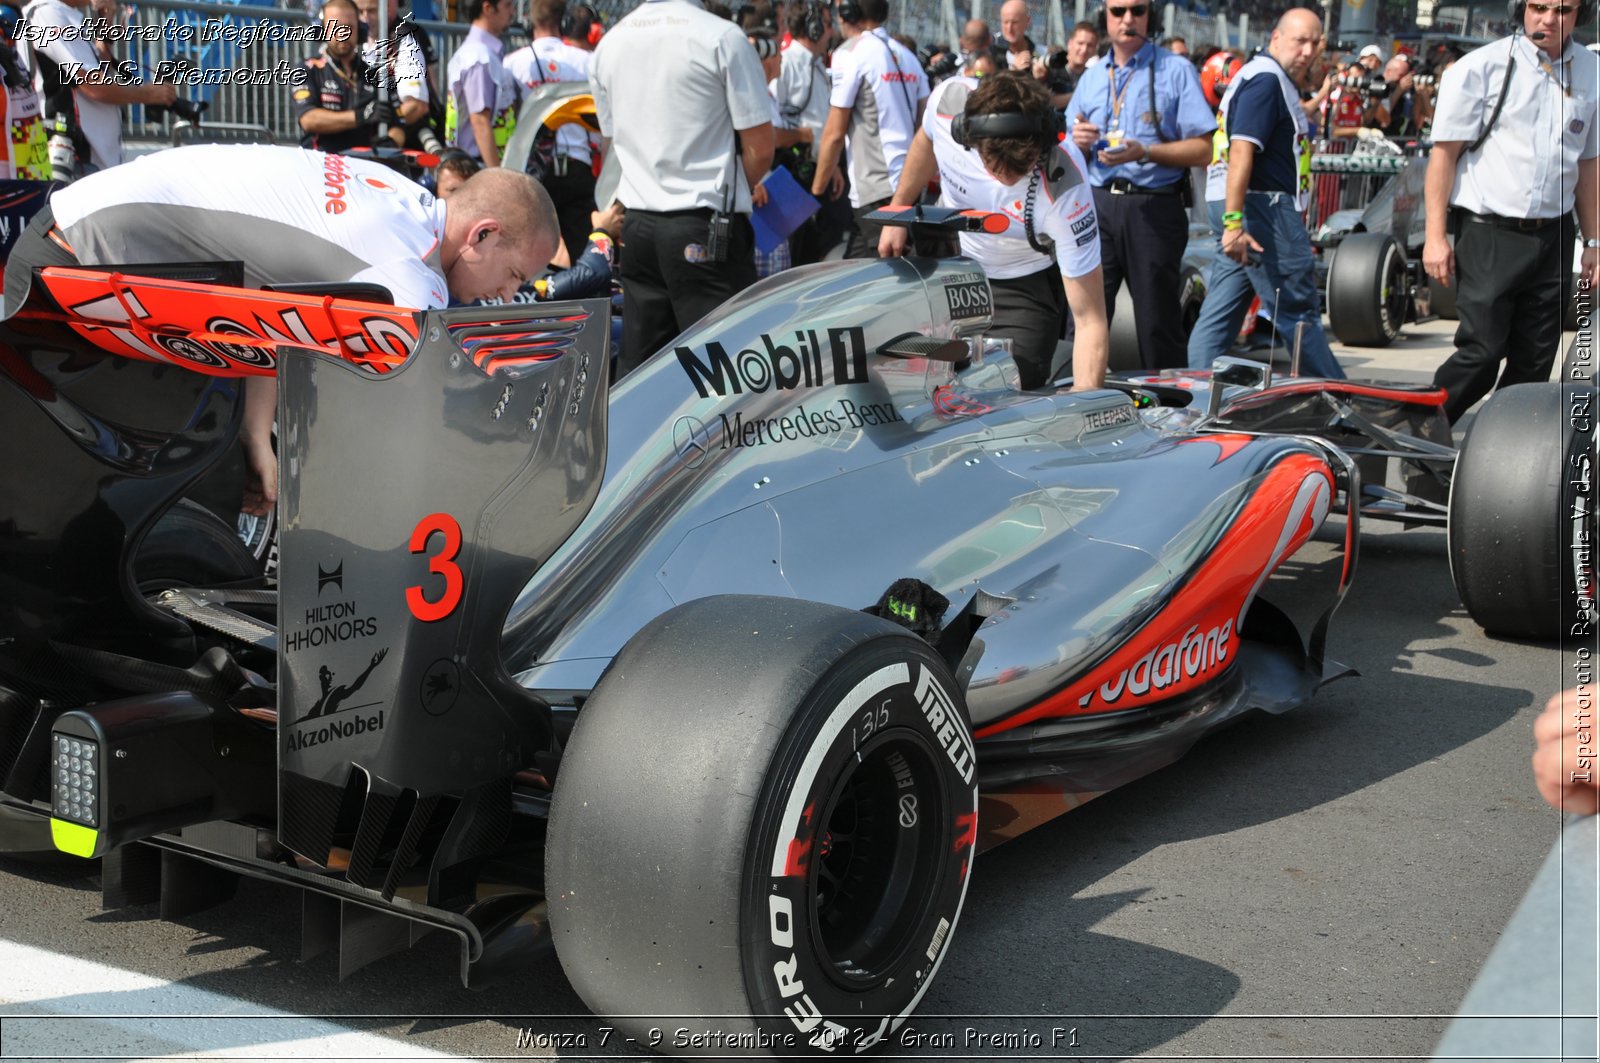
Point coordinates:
[[1321, 885]]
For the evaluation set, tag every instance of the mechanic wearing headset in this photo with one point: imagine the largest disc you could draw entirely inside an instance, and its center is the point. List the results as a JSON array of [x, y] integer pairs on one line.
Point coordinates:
[[1142, 119], [294, 216], [1514, 142], [994, 144], [877, 97]]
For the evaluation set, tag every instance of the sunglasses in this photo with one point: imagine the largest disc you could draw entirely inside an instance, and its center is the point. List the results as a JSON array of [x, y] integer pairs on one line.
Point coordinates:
[[1560, 9], [1141, 10]]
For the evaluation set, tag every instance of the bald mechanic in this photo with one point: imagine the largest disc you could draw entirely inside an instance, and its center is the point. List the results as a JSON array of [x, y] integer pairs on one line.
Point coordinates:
[[294, 216]]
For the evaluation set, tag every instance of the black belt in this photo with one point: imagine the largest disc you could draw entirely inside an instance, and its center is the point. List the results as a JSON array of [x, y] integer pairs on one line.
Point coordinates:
[[1501, 222], [1121, 186]]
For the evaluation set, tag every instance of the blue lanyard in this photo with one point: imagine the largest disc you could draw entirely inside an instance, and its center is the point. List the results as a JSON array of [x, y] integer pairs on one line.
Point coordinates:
[[1113, 98]]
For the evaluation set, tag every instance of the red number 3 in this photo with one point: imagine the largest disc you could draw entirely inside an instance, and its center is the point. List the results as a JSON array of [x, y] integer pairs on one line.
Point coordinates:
[[441, 564]]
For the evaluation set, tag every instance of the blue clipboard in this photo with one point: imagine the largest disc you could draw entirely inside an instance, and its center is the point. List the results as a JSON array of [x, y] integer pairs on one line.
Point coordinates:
[[788, 206]]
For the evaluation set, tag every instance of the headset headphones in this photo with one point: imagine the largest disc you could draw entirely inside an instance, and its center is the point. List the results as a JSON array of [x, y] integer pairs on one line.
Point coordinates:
[[582, 23], [1515, 10], [968, 129], [815, 26], [1154, 25]]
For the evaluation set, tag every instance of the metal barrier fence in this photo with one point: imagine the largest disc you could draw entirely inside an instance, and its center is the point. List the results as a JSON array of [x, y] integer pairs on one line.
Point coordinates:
[[239, 53]]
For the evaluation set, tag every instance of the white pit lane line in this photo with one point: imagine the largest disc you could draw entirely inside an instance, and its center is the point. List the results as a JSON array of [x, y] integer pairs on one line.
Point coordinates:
[[60, 1007]]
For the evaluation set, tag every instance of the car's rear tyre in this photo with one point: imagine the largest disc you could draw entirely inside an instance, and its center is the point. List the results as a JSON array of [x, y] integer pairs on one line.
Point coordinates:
[[1522, 513], [1123, 336], [1367, 291], [1191, 294], [190, 546], [1124, 332], [762, 829]]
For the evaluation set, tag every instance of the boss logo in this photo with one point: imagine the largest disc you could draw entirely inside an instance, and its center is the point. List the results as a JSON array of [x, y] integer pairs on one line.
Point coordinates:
[[968, 296], [1083, 224]]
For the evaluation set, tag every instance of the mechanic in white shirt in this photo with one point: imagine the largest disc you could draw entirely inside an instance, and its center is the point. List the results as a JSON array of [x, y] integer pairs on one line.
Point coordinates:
[[1048, 259], [290, 216], [875, 104], [801, 90], [672, 84], [566, 166], [482, 108], [56, 40], [1514, 142]]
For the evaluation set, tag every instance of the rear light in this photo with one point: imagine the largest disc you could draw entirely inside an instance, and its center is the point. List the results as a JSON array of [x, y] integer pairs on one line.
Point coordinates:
[[76, 812]]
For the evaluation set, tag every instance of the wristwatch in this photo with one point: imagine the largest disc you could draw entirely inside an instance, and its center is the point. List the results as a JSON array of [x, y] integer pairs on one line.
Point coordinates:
[[1593, 241]]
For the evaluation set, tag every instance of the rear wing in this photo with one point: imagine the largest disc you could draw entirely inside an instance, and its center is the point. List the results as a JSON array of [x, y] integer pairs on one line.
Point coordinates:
[[416, 504], [429, 463]]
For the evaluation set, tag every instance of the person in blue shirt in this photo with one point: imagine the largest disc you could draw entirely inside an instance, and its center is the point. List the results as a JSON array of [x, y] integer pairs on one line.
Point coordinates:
[[1142, 120], [1268, 155]]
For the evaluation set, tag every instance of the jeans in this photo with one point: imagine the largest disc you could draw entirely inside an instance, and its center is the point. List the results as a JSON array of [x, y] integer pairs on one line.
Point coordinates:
[[1289, 272], [1229, 288]]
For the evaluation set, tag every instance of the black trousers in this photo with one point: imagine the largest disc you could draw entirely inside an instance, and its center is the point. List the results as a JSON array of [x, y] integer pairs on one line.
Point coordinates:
[[1142, 238], [1510, 289], [33, 248], [1031, 312], [666, 283], [863, 240], [573, 196]]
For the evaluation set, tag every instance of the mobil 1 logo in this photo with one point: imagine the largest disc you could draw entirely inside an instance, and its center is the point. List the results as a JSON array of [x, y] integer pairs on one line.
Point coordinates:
[[968, 296]]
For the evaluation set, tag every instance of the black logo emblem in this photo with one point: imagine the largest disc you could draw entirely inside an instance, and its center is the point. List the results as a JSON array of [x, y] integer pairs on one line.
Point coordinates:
[[441, 685], [336, 577], [334, 697]]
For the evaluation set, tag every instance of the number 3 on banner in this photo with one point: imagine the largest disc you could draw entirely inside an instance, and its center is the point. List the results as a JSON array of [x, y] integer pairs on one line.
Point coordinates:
[[440, 564]]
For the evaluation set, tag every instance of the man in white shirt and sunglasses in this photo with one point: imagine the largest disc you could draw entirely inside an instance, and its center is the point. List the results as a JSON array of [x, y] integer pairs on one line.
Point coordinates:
[[1515, 145]]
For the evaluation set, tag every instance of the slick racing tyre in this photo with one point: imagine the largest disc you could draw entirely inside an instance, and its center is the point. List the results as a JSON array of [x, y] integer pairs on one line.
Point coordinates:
[[1367, 290], [1522, 513], [192, 547], [1124, 335], [762, 830]]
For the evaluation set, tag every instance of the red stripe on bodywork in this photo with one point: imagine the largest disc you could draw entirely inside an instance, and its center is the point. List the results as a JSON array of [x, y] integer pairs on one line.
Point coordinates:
[[1160, 662]]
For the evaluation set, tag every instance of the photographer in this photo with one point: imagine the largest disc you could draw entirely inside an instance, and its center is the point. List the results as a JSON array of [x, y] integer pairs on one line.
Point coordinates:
[[1407, 102], [407, 60], [90, 107]]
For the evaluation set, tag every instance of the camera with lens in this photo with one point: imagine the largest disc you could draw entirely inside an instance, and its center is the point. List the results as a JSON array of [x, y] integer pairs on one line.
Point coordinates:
[[1056, 60], [938, 63], [1369, 85], [183, 110]]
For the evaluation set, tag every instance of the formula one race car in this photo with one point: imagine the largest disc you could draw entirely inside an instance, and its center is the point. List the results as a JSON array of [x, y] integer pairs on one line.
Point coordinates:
[[714, 684]]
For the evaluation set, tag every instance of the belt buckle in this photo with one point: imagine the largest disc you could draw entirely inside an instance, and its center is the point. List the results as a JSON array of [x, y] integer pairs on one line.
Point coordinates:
[[1119, 186], [1528, 225]]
